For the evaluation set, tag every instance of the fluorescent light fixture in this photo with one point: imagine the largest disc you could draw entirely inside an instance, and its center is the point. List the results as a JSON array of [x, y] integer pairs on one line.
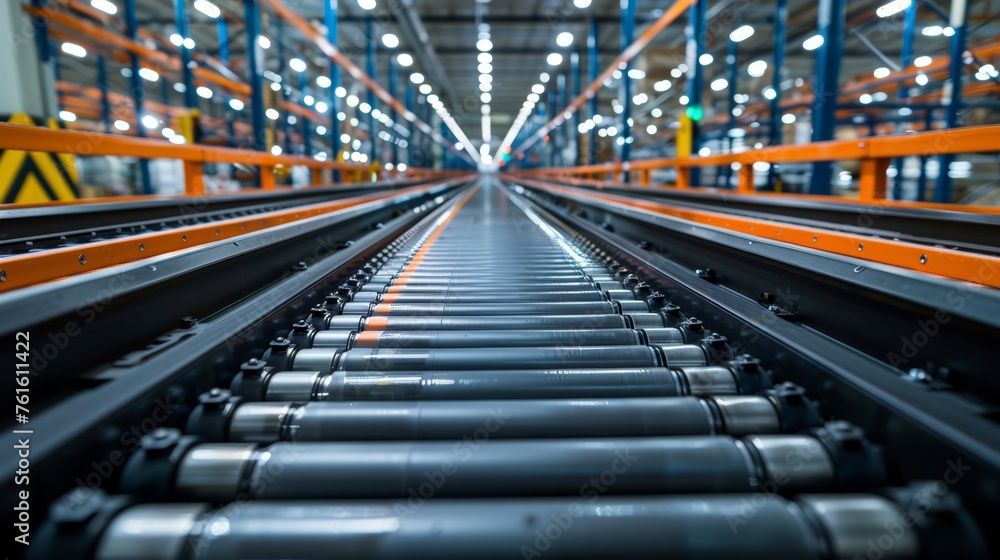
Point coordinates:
[[74, 50], [67, 116], [297, 64], [264, 42], [922, 61], [741, 34], [813, 43], [390, 40], [404, 59], [720, 84], [149, 121], [236, 104], [122, 125], [757, 68], [323, 82], [417, 78], [564, 39], [554, 59], [104, 6], [148, 74], [207, 8], [203, 91], [893, 8]]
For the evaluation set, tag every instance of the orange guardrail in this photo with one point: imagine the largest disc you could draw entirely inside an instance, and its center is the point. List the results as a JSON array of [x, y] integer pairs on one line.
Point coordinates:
[[38, 139], [874, 153]]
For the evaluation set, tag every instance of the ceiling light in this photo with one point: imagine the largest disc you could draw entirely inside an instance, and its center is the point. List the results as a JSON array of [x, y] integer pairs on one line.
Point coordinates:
[[533, 97], [882, 72], [538, 88], [276, 150], [656, 113], [176, 39], [297, 64], [757, 68], [651, 129], [67, 116], [390, 41], [321, 107], [207, 8], [426, 89], [544, 77], [892, 8], [352, 100], [484, 45], [264, 42], [582, 4], [204, 92], [720, 84], [769, 93], [485, 79], [932, 31], [122, 125], [148, 74], [484, 87], [74, 49], [636, 74], [922, 61], [417, 78], [564, 39], [188, 43], [367, 4], [323, 82], [813, 43], [486, 98], [706, 59], [741, 34], [485, 58], [788, 118], [485, 68], [149, 121], [922, 79], [661, 86], [404, 59], [104, 6], [236, 104], [554, 59]]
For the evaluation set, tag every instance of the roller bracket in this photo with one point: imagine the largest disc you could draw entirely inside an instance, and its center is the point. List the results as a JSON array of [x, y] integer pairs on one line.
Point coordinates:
[[149, 473]]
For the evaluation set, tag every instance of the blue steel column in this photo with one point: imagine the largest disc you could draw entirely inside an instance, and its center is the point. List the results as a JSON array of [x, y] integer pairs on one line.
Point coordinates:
[[550, 146], [625, 88], [574, 65], [286, 86], [558, 135], [959, 20], [255, 75], [780, 33], [393, 79], [922, 177], [330, 18], [593, 70], [731, 65], [187, 77], [906, 58], [306, 124], [409, 126], [102, 83], [372, 101], [138, 93], [695, 76], [831, 27], [223, 30]]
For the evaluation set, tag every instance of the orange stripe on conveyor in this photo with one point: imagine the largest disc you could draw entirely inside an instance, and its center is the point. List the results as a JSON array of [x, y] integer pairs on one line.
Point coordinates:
[[376, 323], [403, 277], [367, 339], [34, 268], [956, 265]]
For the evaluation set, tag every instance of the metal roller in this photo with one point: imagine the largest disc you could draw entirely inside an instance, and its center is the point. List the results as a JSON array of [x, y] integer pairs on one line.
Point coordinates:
[[500, 384], [268, 422], [593, 526], [485, 466]]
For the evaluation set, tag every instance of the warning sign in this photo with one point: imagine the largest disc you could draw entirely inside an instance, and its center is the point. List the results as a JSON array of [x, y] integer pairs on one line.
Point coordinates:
[[32, 177]]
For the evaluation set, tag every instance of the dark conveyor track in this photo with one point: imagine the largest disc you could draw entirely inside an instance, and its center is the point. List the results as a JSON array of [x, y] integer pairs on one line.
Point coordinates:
[[490, 387]]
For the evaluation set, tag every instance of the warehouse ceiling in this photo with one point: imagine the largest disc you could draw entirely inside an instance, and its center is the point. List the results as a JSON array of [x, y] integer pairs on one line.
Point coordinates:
[[442, 35]]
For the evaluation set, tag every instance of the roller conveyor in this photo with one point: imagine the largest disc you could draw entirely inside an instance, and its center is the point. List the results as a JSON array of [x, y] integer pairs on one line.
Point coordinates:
[[489, 387]]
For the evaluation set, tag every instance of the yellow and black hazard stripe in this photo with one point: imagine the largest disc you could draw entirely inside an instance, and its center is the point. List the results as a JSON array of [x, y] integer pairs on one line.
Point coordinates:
[[32, 177]]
